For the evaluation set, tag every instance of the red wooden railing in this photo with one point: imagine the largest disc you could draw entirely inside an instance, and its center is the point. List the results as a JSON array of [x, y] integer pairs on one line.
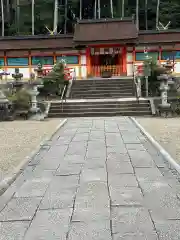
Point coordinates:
[[97, 71], [68, 72]]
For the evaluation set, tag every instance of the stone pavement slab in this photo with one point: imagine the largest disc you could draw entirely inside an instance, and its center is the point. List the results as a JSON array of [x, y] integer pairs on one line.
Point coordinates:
[[50, 224], [95, 230], [13, 230], [97, 179], [20, 209]]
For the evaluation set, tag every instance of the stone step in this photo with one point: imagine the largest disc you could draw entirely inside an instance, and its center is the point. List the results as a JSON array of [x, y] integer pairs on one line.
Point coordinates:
[[101, 96], [100, 114], [110, 85], [98, 102], [85, 110], [97, 90], [102, 84], [100, 108], [96, 106], [104, 81]]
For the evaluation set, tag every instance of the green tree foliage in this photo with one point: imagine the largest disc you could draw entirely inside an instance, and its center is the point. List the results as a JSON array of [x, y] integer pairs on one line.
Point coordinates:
[[18, 17], [54, 82]]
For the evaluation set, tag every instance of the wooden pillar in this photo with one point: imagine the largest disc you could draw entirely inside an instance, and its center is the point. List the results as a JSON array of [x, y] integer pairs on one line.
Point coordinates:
[[5, 65], [30, 63], [160, 53], [134, 55], [5, 61], [124, 61], [54, 57], [88, 60], [80, 65]]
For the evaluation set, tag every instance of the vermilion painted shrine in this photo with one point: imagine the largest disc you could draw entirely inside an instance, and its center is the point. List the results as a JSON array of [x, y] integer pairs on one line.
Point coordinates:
[[97, 45]]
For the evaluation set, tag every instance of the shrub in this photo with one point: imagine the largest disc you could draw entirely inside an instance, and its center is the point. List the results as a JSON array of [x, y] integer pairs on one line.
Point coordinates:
[[54, 82], [20, 99]]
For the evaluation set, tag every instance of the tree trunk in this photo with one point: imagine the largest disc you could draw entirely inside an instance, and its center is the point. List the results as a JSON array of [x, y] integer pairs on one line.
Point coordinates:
[[65, 17], [18, 15], [2, 15], [146, 13], [80, 9], [111, 5], [95, 9], [157, 14], [8, 10], [99, 9], [32, 17], [137, 14], [56, 16], [122, 13]]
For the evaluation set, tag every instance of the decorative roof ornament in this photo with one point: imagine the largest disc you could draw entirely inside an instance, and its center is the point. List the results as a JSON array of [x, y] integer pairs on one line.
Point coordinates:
[[162, 27], [53, 32]]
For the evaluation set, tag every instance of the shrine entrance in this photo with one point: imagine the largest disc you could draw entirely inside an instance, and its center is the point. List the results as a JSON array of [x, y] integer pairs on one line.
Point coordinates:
[[109, 59]]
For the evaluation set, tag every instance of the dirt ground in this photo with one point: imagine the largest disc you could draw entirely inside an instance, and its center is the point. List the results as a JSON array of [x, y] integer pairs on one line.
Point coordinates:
[[166, 131], [19, 138]]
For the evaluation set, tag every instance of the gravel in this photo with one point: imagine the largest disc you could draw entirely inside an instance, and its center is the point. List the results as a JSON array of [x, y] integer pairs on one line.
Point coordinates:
[[19, 138], [166, 131]]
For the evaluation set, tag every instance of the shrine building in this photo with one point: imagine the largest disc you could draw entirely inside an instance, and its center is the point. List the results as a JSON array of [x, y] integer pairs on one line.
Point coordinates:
[[96, 46]]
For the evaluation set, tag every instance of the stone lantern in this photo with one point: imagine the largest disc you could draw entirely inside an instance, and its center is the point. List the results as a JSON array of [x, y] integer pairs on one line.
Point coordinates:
[[34, 84], [18, 82], [147, 71], [5, 106], [39, 70], [164, 106], [169, 66]]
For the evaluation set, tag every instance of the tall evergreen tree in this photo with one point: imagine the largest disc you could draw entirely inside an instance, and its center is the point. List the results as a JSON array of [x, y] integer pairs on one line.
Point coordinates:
[[2, 17], [19, 16]]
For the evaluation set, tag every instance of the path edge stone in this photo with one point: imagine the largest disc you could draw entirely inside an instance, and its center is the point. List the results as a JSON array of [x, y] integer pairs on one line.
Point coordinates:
[[167, 157], [9, 179]]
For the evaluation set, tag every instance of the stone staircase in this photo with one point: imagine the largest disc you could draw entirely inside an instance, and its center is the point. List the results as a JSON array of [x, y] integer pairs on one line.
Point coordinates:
[[101, 97], [102, 88], [97, 108]]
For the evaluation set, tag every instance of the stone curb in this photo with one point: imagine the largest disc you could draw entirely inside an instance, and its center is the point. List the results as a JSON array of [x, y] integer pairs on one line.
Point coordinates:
[[160, 149], [7, 181]]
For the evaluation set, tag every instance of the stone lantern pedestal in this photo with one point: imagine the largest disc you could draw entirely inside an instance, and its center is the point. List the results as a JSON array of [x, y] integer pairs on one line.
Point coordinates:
[[164, 106]]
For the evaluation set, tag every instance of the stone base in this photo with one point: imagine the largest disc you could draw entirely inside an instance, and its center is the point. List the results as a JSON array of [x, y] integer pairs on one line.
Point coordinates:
[[37, 117], [165, 110], [35, 110]]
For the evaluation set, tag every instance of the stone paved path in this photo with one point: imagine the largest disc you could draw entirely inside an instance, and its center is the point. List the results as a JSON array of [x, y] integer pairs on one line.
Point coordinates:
[[97, 179]]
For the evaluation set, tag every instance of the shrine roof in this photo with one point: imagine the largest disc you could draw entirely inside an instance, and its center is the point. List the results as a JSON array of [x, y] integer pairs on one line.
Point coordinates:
[[36, 42], [154, 37], [105, 30], [92, 32]]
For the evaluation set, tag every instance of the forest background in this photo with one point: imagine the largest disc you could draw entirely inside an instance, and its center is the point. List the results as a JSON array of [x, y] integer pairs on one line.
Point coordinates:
[[17, 16]]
